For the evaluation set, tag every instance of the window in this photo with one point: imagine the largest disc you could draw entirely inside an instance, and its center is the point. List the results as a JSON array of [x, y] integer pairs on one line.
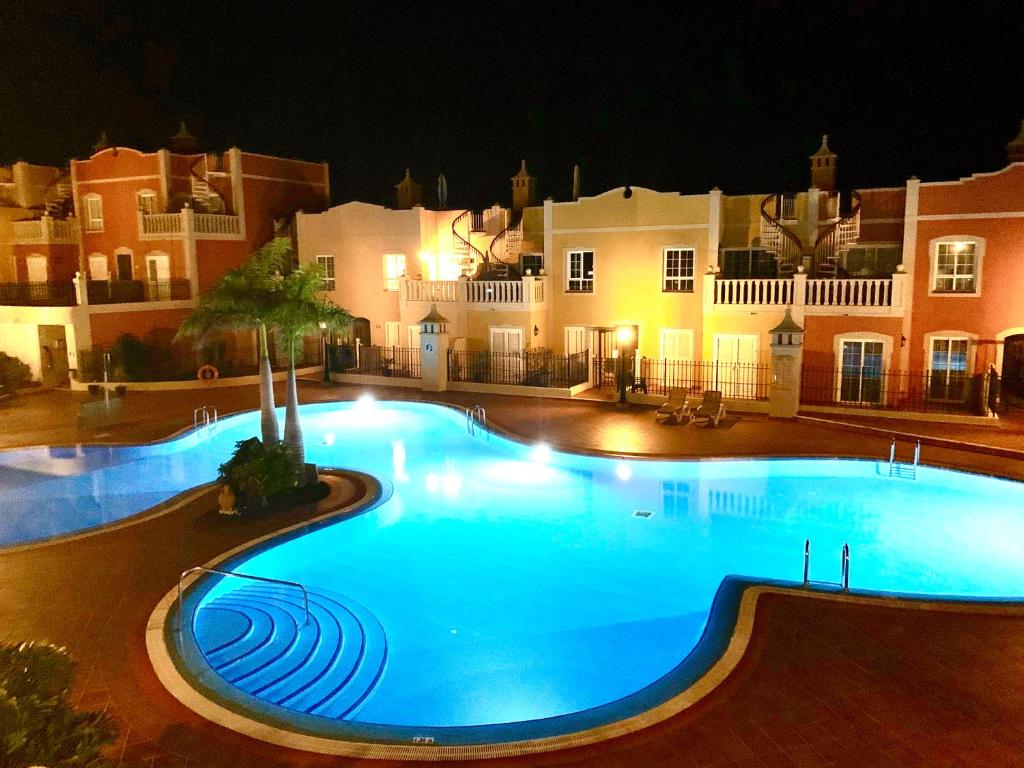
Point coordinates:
[[873, 261], [581, 272], [747, 262], [948, 368], [955, 267], [93, 213], [327, 268], [676, 344], [98, 269], [414, 336], [394, 270], [392, 331], [678, 270], [861, 372], [35, 265], [533, 263], [146, 199]]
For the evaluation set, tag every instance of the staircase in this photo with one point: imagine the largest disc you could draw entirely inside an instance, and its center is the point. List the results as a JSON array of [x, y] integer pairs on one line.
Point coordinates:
[[471, 258], [204, 197], [504, 250], [258, 640], [778, 239], [59, 204], [834, 241]]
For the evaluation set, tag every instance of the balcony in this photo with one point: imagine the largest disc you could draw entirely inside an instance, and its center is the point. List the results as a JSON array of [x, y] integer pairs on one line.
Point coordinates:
[[45, 230], [37, 294], [814, 296], [205, 226], [508, 294], [133, 291]]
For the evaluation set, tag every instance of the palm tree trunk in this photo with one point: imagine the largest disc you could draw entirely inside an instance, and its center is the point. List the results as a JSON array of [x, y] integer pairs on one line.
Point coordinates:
[[292, 427], [268, 414]]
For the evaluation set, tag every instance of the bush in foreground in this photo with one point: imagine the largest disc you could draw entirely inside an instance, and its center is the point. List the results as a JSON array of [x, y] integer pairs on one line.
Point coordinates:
[[38, 726], [256, 473]]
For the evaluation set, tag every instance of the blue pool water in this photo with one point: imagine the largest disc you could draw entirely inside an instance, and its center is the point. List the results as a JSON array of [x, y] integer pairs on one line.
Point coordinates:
[[501, 582]]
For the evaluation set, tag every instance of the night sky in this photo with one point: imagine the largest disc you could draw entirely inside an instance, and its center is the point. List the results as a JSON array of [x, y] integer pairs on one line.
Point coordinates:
[[720, 94]]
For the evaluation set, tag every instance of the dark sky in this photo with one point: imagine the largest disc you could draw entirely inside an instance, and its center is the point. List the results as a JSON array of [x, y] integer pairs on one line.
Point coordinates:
[[662, 95]]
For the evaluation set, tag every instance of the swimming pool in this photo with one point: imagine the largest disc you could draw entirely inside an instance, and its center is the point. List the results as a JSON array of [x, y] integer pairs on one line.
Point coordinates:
[[505, 591]]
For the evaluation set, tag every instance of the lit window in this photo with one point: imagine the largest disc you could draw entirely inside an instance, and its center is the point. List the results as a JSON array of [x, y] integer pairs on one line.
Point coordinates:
[[394, 269], [678, 269], [581, 272], [533, 263], [146, 200], [948, 368], [93, 212], [327, 269], [956, 268]]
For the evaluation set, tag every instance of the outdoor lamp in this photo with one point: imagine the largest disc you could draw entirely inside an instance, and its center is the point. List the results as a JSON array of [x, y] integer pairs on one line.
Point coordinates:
[[323, 359]]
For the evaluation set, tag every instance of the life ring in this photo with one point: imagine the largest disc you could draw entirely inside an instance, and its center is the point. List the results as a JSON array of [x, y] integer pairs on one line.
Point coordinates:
[[208, 373]]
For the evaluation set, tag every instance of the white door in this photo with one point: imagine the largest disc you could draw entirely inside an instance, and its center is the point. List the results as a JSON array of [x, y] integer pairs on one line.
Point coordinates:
[[392, 332], [578, 338], [735, 373], [414, 336], [676, 344], [506, 360], [158, 274], [36, 268], [98, 268]]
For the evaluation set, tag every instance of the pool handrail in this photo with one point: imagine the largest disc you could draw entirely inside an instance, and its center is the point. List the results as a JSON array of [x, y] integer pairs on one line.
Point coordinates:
[[202, 568]]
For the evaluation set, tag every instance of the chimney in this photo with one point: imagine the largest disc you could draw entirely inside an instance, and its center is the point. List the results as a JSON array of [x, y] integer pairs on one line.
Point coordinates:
[[823, 167], [1015, 149], [183, 142]]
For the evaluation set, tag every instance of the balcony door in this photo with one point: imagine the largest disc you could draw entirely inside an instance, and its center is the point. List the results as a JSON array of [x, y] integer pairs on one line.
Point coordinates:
[[158, 276], [860, 379], [124, 266], [735, 372], [36, 266]]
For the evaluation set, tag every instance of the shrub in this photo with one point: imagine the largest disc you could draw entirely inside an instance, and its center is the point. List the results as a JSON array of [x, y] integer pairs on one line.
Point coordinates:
[[132, 356], [255, 473], [37, 723], [13, 373]]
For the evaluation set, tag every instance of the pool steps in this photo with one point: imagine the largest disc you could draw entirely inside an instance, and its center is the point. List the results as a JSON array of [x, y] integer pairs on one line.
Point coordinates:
[[257, 639]]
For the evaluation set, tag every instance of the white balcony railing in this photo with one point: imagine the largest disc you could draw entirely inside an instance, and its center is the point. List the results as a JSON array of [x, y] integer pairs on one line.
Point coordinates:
[[509, 293], [856, 292], [849, 296], [161, 224], [495, 292], [212, 225], [433, 290], [753, 292], [46, 229]]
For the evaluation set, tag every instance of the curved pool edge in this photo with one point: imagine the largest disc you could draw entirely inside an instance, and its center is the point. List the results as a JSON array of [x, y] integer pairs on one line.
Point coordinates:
[[718, 653]]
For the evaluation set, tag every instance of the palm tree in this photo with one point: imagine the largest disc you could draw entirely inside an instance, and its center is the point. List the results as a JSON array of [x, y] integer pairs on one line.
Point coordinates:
[[243, 299], [299, 312]]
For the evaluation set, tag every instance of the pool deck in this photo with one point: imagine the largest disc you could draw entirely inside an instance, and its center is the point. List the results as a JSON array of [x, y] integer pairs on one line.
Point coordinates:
[[822, 682]]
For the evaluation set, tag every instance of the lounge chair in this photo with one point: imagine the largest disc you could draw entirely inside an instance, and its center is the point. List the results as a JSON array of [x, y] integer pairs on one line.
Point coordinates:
[[675, 407], [711, 410]]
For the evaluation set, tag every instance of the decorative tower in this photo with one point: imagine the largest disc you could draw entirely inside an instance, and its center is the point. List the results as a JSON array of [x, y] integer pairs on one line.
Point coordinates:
[[823, 167], [1015, 149], [183, 142], [434, 351], [524, 189], [408, 193], [787, 343]]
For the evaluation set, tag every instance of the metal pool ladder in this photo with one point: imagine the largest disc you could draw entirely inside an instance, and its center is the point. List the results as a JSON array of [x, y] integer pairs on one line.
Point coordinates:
[[204, 416], [201, 568], [476, 417], [844, 566], [898, 469]]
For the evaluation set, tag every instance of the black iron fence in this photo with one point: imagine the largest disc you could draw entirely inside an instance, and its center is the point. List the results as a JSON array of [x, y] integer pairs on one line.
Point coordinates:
[[738, 381], [874, 388], [131, 291], [37, 294], [531, 369], [403, 362]]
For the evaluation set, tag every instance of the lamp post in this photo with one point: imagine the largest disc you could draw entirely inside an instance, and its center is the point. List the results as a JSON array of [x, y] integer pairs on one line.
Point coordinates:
[[323, 359], [625, 337]]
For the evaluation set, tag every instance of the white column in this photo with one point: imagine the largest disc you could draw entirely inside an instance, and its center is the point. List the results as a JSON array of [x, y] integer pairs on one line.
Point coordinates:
[[81, 289], [709, 292], [784, 390], [714, 225], [799, 295], [188, 230], [909, 265], [433, 358]]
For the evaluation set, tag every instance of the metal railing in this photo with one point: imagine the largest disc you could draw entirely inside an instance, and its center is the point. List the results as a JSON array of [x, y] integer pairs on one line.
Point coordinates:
[[38, 294], [399, 362], [201, 416], [203, 569], [476, 417], [844, 567], [738, 381], [133, 291], [872, 387], [898, 469], [529, 369]]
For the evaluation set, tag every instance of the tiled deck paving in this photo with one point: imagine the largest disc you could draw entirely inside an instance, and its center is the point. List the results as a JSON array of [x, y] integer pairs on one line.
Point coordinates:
[[822, 683]]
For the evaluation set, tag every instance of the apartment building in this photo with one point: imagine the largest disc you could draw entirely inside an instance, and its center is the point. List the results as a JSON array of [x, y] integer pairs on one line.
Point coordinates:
[[128, 240]]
